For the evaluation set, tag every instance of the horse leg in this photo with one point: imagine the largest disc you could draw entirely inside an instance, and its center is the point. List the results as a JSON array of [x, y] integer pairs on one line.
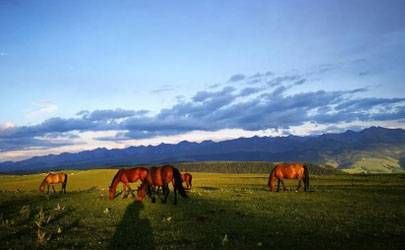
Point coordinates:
[[125, 191], [151, 192], [175, 195], [283, 184], [166, 192], [130, 190], [48, 188], [278, 185], [299, 184], [53, 188]]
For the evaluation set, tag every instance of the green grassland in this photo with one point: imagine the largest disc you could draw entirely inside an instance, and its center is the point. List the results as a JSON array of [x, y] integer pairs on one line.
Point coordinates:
[[224, 211]]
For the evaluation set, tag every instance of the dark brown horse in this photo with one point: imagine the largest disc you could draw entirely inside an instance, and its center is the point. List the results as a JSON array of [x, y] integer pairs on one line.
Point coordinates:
[[127, 176], [52, 179], [289, 171], [161, 177], [187, 178]]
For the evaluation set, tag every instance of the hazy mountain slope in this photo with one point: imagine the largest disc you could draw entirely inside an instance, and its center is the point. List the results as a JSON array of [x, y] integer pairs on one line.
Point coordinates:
[[375, 149]]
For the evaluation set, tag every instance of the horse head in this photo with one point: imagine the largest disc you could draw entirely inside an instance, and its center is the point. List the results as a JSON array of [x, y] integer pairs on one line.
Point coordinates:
[[111, 192], [140, 193], [42, 186]]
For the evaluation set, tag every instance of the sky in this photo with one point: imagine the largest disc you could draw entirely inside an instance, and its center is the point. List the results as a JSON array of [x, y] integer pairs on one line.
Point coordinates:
[[77, 75]]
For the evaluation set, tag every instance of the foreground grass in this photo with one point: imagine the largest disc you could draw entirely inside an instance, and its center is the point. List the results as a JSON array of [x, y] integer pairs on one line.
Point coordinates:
[[224, 211]]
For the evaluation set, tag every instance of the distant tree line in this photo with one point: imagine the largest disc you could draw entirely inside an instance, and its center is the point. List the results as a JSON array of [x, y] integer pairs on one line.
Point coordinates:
[[245, 167]]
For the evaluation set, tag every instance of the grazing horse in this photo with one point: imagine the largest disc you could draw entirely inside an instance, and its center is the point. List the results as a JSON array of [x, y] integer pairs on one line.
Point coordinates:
[[54, 178], [161, 177], [289, 171], [126, 176], [187, 178]]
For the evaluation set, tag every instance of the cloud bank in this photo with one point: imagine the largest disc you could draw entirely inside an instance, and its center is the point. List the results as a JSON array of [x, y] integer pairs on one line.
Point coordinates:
[[258, 102]]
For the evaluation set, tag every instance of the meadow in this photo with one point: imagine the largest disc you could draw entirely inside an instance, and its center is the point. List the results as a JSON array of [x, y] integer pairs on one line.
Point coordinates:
[[224, 211]]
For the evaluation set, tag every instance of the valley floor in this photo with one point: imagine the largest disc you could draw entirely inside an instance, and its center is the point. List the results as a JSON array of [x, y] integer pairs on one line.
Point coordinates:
[[231, 211]]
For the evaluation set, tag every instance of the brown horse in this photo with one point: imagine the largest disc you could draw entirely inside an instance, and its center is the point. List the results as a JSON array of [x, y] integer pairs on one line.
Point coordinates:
[[187, 178], [161, 177], [289, 171], [52, 179], [126, 176]]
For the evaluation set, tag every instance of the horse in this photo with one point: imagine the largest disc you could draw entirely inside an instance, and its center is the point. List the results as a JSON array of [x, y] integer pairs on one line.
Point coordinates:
[[54, 178], [187, 178], [289, 171], [126, 176], [161, 177]]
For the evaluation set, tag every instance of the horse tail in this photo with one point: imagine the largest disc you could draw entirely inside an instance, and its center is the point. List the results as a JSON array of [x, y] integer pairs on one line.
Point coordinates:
[[306, 178], [65, 181], [178, 182]]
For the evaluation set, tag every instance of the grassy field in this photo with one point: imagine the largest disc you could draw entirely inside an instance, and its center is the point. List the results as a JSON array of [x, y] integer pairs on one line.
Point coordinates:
[[224, 211]]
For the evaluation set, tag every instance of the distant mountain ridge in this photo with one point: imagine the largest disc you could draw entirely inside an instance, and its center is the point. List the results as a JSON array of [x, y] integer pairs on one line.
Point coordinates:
[[375, 149]]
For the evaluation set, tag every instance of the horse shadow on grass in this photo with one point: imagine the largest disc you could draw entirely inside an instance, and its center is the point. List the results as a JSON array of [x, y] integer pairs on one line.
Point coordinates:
[[133, 232]]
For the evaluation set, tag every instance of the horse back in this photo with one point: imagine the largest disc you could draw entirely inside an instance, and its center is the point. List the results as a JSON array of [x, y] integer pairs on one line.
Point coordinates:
[[55, 178], [289, 170], [156, 176], [134, 174], [161, 175], [167, 173]]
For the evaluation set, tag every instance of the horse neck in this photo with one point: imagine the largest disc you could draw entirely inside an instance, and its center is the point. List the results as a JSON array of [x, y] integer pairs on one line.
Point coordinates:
[[272, 176], [116, 180], [43, 183]]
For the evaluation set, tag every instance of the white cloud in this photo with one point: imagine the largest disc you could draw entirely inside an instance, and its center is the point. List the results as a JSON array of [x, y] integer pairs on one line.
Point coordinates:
[[6, 125], [41, 110]]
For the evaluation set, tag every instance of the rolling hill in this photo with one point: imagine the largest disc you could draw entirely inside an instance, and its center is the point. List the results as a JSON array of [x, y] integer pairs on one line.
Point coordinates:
[[376, 150]]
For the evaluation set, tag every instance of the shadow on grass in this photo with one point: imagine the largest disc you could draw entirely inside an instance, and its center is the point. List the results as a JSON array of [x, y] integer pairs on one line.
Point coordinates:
[[133, 232]]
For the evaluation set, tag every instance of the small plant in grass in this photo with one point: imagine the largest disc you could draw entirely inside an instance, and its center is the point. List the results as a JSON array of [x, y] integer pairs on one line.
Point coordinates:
[[6, 222], [25, 212], [225, 240], [59, 207], [41, 221], [107, 211]]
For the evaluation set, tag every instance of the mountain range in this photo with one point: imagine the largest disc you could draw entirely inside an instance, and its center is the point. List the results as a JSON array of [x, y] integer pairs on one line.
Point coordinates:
[[375, 150]]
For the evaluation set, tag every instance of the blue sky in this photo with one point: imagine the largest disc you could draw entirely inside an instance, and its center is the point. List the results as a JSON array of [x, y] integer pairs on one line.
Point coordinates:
[[77, 75]]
